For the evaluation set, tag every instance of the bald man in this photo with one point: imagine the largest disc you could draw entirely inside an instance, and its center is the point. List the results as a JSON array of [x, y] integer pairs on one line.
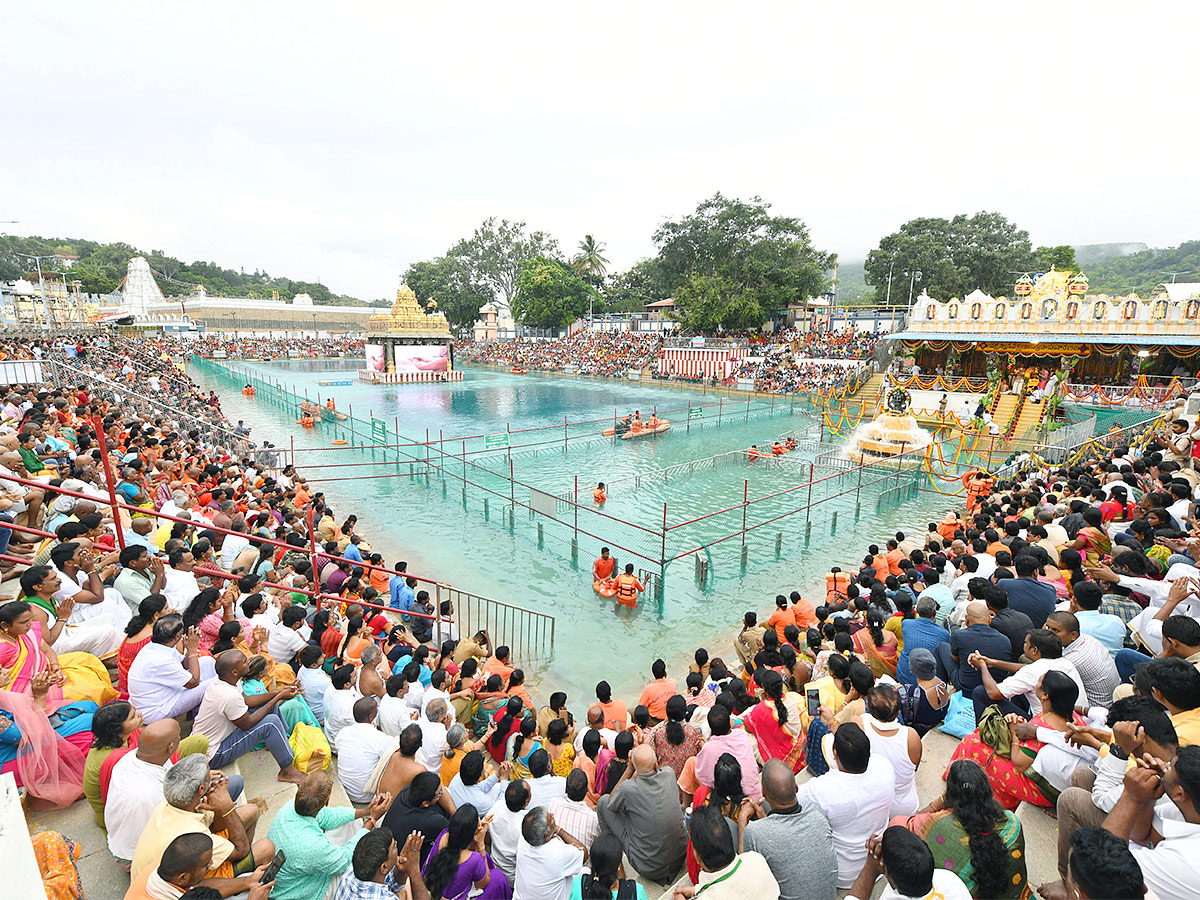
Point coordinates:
[[978, 634], [643, 811], [136, 787], [796, 841], [235, 723]]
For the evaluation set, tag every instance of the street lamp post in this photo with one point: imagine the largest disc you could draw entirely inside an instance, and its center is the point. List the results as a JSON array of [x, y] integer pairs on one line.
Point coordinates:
[[916, 276], [41, 283]]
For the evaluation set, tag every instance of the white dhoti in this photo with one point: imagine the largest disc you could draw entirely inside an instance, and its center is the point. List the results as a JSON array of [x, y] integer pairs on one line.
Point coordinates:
[[97, 637], [112, 610]]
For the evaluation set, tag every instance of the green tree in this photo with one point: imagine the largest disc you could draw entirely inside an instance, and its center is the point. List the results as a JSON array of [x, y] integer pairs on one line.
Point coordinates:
[[735, 255], [590, 260], [446, 281], [1142, 272], [953, 256], [1061, 257], [630, 291], [708, 302], [496, 253], [549, 295]]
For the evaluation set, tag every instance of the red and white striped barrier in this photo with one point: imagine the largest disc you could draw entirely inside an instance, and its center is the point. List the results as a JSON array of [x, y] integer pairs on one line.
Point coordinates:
[[373, 377], [699, 362]]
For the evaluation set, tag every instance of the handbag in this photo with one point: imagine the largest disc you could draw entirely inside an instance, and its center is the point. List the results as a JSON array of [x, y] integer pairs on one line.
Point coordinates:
[[960, 717], [306, 743], [994, 731]]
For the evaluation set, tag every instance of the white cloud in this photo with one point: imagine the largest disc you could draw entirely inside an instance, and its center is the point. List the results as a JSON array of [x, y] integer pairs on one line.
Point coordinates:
[[347, 141]]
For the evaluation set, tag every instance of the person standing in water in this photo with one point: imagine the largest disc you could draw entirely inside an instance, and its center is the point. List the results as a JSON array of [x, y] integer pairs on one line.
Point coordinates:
[[605, 567]]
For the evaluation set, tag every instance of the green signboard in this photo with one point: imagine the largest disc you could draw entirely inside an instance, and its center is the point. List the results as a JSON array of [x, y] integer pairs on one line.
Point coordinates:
[[696, 412], [495, 441], [378, 431]]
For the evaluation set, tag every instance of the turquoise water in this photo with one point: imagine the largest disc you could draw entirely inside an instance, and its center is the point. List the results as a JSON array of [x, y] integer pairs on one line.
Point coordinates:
[[427, 522]]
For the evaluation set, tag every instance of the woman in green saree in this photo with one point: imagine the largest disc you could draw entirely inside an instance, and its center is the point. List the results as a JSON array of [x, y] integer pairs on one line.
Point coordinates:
[[971, 835]]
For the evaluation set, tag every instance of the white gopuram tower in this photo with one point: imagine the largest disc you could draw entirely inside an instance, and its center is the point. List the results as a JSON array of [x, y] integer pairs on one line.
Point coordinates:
[[140, 289]]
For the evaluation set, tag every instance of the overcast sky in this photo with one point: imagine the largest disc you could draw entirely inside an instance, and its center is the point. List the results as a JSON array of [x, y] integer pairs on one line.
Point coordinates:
[[345, 141]]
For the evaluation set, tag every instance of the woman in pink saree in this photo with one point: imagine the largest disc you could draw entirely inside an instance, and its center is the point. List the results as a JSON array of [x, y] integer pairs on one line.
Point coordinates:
[[775, 722], [24, 653], [46, 758]]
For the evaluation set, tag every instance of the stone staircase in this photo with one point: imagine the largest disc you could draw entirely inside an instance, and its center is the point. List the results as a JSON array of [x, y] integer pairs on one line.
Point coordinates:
[[1003, 408], [868, 394], [1030, 415]]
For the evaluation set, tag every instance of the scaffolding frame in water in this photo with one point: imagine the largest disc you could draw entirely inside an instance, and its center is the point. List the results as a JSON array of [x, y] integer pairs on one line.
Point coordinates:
[[489, 474]]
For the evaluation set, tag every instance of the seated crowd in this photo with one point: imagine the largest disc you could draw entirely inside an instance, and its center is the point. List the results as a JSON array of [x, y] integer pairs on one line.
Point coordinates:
[[608, 354], [1053, 626]]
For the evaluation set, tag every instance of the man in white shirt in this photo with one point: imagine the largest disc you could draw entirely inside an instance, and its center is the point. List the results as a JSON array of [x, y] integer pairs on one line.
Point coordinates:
[[284, 640], [726, 874], [907, 863], [181, 586], [234, 544], [856, 795], [595, 722], [1169, 868], [80, 580], [338, 702], [544, 786], [1018, 692], [434, 723], [394, 712], [968, 567], [505, 832], [435, 691], [362, 751], [234, 723], [572, 812], [136, 787], [313, 680], [163, 682], [469, 786], [548, 859]]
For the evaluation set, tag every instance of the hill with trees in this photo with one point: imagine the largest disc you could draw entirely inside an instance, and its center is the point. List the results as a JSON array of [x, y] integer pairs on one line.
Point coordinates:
[[1141, 272], [100, 268]]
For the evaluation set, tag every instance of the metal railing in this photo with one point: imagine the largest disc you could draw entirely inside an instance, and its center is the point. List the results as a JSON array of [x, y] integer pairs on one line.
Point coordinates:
[[1141, 394], [506, 623], [1061, 441], [66, 377]]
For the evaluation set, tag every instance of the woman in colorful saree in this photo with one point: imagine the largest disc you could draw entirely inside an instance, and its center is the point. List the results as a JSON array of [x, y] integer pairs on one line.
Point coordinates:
[[1017, 775], [24, 653], [879, 648], [44, 751], [1092, 540], [775, 722], [972, 836]]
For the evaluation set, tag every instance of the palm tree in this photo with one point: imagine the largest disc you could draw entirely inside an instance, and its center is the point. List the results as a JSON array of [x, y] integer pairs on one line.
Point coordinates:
[[590, 260]]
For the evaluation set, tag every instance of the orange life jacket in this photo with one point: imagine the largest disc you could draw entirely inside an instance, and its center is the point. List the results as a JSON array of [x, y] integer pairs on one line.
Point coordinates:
[[754, 453], [598, 495], [627, 590], [835, 586]]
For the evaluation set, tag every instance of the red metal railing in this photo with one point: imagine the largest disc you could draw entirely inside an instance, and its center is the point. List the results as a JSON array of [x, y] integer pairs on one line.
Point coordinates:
[[543, 622]]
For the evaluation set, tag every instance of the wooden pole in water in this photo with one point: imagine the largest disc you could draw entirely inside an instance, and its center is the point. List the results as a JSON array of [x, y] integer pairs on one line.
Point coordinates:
[[663, 559], [745, 501]]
